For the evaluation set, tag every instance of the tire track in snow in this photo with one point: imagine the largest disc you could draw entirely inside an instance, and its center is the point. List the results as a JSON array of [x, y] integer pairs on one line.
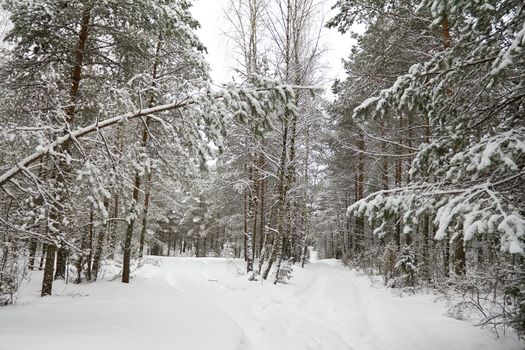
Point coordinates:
[[325, 307], [268, 320]]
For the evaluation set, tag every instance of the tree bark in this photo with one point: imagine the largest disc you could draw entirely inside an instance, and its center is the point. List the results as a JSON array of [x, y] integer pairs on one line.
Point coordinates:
[[47, 283], [261, 209], [360, 222], [42, 257], [145, 214], [97, 257], [446, 257], [90, 245], [114, 227], [61, 260], [33, 245], [129, 231], [460, 264], [245, 226], [76, 75]]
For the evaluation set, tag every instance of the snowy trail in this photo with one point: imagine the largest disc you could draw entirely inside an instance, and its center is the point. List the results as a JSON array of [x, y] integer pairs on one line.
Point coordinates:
[[188, 303]]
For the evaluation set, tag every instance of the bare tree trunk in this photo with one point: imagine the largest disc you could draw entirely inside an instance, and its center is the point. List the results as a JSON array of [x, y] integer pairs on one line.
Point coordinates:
[[262, 211], [47, 283], [129, 231], [425, 248], [306, 211], [97, 257], [245, 226], [460, 264], [60, 272], [42, 256], [279, 258], [197, 247], [114, 226], [446, 256], [262, 254], [263, 251], [33, 245], [145, 214], [169, 239], [385, 158], [90, 245], [255, 207], [360, 222]]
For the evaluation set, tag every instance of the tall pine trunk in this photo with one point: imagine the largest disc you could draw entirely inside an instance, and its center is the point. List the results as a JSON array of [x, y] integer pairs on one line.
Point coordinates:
[[76, 77], [137, 180]]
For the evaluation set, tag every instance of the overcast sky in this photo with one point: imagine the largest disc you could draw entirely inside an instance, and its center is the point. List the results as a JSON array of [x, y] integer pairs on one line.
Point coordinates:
[[210, 14]]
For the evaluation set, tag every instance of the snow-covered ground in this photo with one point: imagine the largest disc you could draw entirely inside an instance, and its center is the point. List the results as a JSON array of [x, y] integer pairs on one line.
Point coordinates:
[[189, 303]]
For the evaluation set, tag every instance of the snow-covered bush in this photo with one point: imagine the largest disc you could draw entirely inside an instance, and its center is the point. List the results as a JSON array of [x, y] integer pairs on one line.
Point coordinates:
[[284, 274], [228, 251], [405, 269], [12, 273], [389, 262]]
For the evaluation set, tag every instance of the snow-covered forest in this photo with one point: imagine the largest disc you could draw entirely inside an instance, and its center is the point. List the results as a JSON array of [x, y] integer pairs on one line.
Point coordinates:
[[151, 206]]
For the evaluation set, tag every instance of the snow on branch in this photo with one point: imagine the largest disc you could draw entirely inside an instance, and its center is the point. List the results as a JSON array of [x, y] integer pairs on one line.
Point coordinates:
[[281, 95], [483, 208]]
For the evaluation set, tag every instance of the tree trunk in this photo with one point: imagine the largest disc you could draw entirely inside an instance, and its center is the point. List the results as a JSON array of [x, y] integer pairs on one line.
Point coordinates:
[[129, 231], [262, 209], [61, 260], [76, 77], [446, 257], [255, 206], [252, 213], [42, 257], [136, 183], [425, 249], [262, 251], [33, 245], [276, 252], [280, 244], [76, 74], [145, 214], [90, 245], [97, 257], [460, 264], [360, 183], [47, 283], [197, 247], [245, 227], [114, 227]]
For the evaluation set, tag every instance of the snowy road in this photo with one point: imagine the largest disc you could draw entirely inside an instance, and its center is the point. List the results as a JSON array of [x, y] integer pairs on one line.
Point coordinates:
[[188, 303]]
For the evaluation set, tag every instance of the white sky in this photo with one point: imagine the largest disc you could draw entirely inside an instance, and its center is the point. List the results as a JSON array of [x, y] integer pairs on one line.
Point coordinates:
[[210, 14]]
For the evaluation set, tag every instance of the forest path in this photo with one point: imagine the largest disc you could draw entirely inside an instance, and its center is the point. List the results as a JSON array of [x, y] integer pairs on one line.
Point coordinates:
[[206, 303]]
